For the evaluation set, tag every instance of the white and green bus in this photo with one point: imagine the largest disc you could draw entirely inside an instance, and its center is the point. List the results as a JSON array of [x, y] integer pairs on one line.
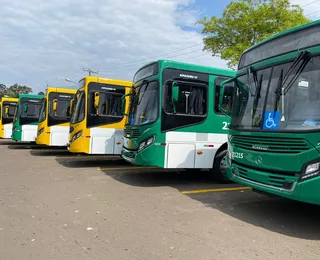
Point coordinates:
[[174, 120]]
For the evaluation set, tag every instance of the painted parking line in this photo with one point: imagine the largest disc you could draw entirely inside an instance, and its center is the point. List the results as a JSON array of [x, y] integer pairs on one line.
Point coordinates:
[[87, 156], [127, 168], [215, 190]]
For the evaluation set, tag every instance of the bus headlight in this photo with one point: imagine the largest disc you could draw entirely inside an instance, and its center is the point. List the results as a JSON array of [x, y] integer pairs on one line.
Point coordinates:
[[312, 170], [76, 136], [144, 144]]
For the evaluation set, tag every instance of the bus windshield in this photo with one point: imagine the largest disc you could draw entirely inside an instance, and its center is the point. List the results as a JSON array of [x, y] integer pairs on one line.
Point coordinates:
[[42, 116], [286, 97], [79, 110], [30, 108], [10, 108], [63, 105], [144, 103]]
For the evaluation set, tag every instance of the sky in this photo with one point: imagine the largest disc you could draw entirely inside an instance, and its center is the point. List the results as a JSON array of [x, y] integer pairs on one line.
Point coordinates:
[[44, 42]]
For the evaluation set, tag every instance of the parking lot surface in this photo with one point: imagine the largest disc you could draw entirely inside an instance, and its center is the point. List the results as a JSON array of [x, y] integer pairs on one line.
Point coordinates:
[[55, 205]]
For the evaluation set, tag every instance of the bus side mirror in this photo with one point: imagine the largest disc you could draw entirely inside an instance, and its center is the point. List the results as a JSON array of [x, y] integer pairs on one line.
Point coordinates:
[[175, 92], [226, 93], [71, 106], [96, 101], [25, 108], [7, 110], [54, 105], [123, 104]]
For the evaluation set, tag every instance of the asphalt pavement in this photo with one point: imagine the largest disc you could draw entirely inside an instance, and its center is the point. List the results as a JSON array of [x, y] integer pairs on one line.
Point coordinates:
[[56, 205]]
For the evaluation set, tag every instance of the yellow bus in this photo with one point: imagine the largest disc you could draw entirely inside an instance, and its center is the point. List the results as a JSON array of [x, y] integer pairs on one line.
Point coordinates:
[[97, 122], [8, 107], [55, 115]]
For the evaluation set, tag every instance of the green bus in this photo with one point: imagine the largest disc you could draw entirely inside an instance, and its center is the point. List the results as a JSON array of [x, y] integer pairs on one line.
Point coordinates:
[[25, 122], [273, 140], [174, 119]]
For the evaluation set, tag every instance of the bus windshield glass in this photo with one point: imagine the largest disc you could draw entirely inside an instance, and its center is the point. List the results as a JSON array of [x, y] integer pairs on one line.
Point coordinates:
[[42, 116], [110, 98], [285, 98], [30, 108], [63, 105], [284, 44], [10, 108], [144, 103], [79, 110]]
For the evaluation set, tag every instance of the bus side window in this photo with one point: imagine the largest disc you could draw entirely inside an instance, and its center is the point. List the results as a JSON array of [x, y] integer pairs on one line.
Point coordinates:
[[227, 96], [192, 99]]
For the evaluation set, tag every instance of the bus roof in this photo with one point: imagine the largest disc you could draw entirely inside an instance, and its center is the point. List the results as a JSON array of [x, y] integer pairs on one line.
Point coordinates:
[[60, 89], [10, 99], [107, 81], [30, 96], [193, 67], [285, 32]]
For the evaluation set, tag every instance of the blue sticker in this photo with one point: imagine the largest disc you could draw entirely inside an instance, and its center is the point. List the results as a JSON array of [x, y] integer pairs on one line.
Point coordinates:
[[131, 120], [271, 120], [310, 123]]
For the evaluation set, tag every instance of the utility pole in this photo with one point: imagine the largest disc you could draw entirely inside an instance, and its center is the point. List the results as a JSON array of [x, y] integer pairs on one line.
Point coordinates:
[[90, 71]]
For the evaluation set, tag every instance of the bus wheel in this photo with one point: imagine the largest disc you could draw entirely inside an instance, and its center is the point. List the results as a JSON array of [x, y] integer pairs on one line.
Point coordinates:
[[219, 170]]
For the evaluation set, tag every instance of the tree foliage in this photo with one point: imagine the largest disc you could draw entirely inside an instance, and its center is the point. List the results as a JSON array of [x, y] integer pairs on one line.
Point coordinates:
[[245, 23], [14, 90], [41, 93]]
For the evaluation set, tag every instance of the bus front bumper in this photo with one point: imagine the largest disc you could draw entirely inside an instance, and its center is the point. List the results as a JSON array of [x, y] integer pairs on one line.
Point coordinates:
[[146, 157], [276, 184]]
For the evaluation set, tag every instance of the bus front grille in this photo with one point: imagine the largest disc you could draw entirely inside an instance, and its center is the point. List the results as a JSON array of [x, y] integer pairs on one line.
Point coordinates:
[[131, 132], [280, 180], [270, 144]]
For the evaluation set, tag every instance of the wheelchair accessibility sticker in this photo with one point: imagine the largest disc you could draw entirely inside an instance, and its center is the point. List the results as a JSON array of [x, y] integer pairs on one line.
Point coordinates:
[[271, 120]]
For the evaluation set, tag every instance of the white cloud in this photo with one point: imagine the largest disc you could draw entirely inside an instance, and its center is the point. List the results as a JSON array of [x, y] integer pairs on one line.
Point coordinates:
[[46, 40]]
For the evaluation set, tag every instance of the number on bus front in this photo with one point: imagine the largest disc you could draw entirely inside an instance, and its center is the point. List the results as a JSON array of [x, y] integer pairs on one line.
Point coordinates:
[[225, 126]]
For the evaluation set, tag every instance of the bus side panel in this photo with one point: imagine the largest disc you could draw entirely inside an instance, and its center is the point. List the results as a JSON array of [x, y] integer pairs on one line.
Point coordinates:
[[106, 140], [192, 150]]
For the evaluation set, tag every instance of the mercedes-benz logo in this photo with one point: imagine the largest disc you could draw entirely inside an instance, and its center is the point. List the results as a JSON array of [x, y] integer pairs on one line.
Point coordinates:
[[258, 160]]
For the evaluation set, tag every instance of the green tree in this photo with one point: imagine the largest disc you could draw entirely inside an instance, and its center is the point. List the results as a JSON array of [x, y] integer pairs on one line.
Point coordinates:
[[41, 93], [3, 90], [245, 23], [16, 89]]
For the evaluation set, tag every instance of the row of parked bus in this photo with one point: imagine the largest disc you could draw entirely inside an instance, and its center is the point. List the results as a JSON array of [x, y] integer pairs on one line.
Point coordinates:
[[167, 117], [258, 126]]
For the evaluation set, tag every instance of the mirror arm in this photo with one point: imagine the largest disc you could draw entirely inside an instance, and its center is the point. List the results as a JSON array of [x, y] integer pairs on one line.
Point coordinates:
[[123, 99]]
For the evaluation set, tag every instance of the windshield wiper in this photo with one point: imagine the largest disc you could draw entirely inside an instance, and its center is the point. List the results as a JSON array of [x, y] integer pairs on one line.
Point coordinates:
[[278, 93], [145, 82], [305, 55], [281, 90], [250, 80], [257, 97]]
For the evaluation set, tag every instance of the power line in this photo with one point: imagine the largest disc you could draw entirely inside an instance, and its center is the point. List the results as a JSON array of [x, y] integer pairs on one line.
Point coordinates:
[[313, 13], [309, 3], [153, 57], [156, 57]]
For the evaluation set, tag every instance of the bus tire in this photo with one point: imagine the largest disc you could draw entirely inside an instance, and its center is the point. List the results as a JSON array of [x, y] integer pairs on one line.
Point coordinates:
[[219, 170]]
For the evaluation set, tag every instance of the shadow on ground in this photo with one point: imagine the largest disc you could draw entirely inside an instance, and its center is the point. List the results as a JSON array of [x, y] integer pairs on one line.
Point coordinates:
[[50, 151], [90, 161], [274, 214], [8, 142], [23, 146]]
